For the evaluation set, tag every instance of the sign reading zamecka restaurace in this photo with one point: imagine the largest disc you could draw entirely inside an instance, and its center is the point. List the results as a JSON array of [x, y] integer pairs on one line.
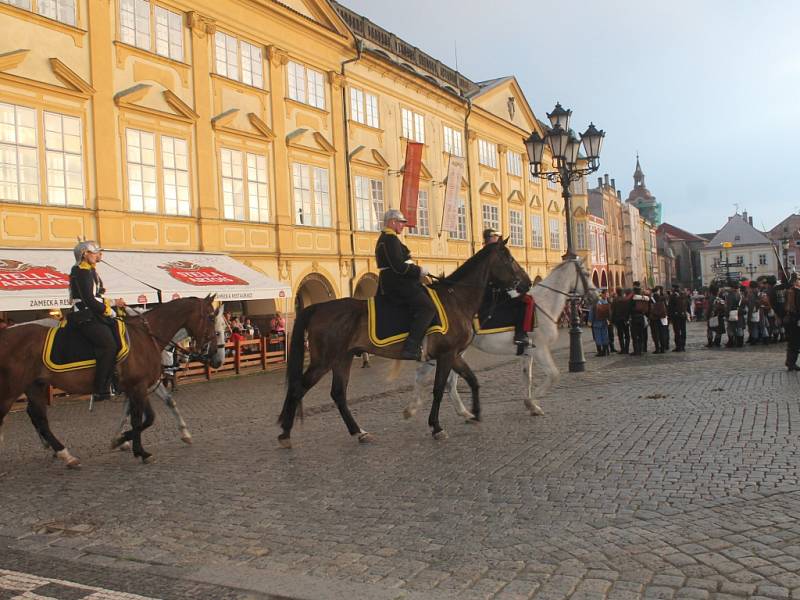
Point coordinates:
[[194, 274], [17, 275]]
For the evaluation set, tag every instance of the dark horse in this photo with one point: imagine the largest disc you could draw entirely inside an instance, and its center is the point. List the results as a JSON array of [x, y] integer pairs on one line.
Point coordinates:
[[22, 369], [338, 329]]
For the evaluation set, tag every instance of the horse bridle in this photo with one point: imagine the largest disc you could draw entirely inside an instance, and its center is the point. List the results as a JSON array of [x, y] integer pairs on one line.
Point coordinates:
[[580, 276]]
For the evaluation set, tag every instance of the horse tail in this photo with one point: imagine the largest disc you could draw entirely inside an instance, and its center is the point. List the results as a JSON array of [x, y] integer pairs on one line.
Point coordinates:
[[296, 360]]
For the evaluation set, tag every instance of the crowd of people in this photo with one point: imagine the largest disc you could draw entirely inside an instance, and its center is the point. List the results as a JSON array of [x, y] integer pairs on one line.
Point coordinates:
[[756, 312]]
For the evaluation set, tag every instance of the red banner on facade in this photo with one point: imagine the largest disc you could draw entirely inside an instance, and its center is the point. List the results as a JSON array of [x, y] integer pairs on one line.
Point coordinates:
[[410, 194]]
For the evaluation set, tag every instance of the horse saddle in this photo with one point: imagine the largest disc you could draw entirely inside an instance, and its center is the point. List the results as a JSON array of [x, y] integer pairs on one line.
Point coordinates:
[[389, 321], [65, 348], [501, 316]]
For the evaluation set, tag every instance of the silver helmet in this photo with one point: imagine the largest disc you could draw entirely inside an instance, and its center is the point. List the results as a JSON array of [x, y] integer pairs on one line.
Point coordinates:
[[395, 214], [84, 247]]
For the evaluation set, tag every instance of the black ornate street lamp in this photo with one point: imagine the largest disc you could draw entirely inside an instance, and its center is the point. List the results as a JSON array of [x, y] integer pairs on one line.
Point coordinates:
[[565, 150]]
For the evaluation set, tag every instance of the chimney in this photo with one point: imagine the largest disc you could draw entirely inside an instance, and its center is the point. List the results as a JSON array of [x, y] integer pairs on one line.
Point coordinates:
[[750, 220], [613, 183], [605, 177], [599, 182], [744, 216], [619, 195]]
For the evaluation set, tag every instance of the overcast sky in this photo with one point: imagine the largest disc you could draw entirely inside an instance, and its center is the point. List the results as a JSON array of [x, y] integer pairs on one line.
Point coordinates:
[[707, 91]]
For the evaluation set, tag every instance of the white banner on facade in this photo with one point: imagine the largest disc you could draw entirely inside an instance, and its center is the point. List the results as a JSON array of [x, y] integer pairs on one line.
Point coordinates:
[[455, 172]]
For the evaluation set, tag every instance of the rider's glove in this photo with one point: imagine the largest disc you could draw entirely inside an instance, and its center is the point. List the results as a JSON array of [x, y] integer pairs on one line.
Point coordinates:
[[513, 293], [423, 272]]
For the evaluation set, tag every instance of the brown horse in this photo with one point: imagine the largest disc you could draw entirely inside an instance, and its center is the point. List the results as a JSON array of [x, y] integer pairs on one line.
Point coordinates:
[[23, 371], [338, 329]]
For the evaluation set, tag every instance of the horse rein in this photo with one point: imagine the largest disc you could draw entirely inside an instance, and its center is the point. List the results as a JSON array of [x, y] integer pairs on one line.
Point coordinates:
[[171, 346], [579, 276]]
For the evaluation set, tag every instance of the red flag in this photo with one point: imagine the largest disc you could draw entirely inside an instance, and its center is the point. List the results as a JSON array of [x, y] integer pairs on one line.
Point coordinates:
[[410, 193]]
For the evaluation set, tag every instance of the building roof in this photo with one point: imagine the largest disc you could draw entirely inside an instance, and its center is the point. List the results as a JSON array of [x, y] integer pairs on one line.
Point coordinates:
[[786, 229], [738, 232], [676, 233], [485, 86]]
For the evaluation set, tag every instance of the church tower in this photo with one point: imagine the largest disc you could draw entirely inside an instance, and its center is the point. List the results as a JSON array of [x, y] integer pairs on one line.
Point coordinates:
[[641, 198]]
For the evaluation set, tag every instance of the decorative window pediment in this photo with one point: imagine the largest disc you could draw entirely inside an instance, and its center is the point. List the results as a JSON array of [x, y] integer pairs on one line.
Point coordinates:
[[490, 189]]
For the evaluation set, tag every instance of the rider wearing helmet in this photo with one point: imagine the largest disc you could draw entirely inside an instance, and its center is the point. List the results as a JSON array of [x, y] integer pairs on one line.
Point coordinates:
[[494, 295], [400, 279], [92, 315]]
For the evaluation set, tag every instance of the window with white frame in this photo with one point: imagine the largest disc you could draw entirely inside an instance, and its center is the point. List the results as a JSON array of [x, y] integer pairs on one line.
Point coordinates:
[[311, 188], [141, 162], [138, 18], [413, 125], [236, 186], [58, 10], [537, 232], [175, 165], [514, 163], [64, 158], [19, 159], [555, 233], [491, 217], [364, 108], [422, 228], [551, 185], [762, 259], [306, 85], [487, 153], [453, 141], [580, 235], [461, 221], [239, 60], [515, 231], [369, 203]]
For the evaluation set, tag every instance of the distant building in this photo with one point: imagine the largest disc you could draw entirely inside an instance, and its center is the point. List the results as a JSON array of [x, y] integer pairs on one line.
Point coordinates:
[[605, 202], [750, 255], [787, 230], [643, 199], [598, 252], [682, 255]]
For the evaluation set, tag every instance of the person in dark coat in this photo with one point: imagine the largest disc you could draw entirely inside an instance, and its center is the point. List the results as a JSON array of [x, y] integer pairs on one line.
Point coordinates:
[[678, 308], [92, 315], [639, 304], [620, 313], [659, 323], [400, 279], [791, 320]]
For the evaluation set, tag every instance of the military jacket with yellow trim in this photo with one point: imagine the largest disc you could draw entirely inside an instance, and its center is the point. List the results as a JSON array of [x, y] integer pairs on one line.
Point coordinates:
[[86, 290], [393, 257]]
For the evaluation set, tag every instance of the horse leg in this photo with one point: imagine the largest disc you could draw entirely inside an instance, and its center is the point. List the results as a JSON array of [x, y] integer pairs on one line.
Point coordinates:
[[142, 416], [164, 394], [37, 411], [527, 377], [451, 387], [341, 377], [126, 412], [294, 396], [443, 366], [544, 360], [421, 374], [460, 367]]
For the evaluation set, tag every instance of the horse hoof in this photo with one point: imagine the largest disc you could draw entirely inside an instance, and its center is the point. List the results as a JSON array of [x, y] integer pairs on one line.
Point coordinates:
[[148, 460], [117, 442], [365, 438], [440, 435], [186, 439], [73, 463], [473, 420], [285, 442], [125, 447], [537, 412], [408, 413], [467, 415]]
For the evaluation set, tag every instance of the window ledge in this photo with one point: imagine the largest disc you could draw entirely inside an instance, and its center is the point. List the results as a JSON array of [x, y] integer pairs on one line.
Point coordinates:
[[303, 105], [355, 123], [238, 84], [123, 51], [446, 153], [405, 139], [76, 33]]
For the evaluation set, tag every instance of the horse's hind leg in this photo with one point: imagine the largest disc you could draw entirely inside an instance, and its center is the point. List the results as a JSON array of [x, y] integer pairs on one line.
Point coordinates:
[[443, 366], [421, 373], [460, 367], [142, 416], [294, 397], [37, 411], [164, 394], [341, 377], [527, 378]]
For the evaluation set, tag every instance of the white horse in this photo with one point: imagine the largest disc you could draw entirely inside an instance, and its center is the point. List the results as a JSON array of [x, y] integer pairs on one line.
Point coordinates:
[[161, 392], [550, 295]]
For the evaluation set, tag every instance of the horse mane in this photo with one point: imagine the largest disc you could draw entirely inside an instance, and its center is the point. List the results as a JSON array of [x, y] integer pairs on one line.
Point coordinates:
[[467, 268]]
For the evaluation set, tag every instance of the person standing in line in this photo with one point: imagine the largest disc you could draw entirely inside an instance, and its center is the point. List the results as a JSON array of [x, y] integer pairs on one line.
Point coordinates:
[[753, 314], [658, 321], [599, 313], [715, 313], [791, 321], [733, 313], [620, 314], [639, 310], [678, 308]]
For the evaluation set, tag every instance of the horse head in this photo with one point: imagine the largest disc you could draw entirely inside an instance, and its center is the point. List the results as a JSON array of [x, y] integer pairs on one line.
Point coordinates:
[[584, 286], [201, 323], [505, 271]]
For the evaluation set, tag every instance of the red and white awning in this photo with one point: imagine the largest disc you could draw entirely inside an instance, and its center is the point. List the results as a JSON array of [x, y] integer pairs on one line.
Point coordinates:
[[36, 279]]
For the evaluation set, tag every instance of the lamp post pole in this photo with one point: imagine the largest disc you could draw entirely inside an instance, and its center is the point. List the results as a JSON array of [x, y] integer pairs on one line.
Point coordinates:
[[564, 149], [727, 246]]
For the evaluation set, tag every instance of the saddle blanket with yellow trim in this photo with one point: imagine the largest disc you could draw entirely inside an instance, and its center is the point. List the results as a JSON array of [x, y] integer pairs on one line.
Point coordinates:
[[502, 316], [65, 348], [390, 321]]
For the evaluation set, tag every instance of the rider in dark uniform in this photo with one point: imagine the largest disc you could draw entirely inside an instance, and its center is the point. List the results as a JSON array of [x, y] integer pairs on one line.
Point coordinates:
[[400, 279], [92, 315], [495, 295]]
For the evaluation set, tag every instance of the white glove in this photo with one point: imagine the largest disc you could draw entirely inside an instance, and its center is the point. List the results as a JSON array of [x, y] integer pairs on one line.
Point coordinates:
[[423, 271], [513, 293]]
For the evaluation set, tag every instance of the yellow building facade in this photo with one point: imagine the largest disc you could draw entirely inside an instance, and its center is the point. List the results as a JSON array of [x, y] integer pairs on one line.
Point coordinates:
[[272, 131]]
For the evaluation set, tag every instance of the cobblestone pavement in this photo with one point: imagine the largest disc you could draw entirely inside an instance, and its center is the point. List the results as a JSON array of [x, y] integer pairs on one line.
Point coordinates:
[[670, 476]]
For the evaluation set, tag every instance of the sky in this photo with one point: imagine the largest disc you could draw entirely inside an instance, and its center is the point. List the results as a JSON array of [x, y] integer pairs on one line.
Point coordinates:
[[706, 91]]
